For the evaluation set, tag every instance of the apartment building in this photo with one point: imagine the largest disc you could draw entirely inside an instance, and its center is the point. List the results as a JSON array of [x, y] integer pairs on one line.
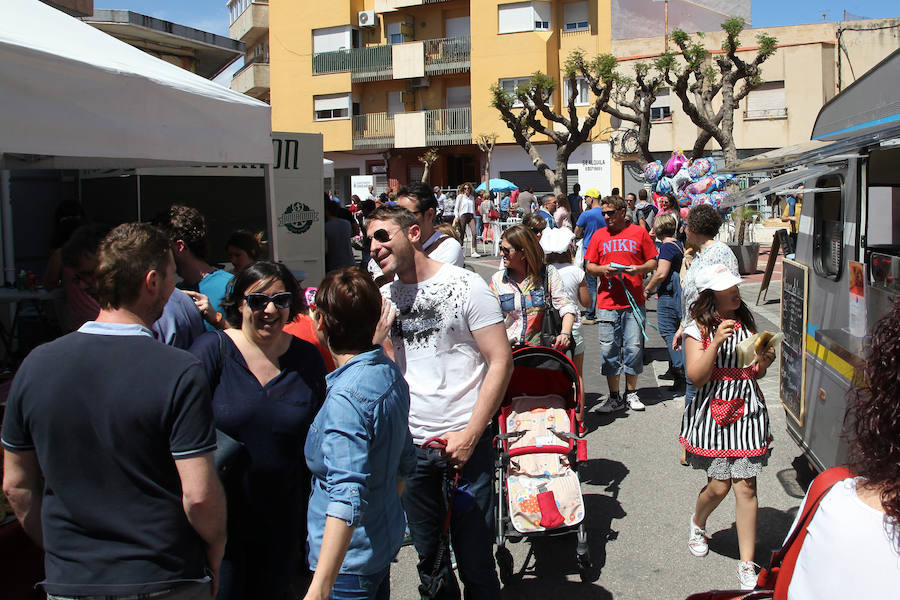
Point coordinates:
[[383, 80], [249, 23], [812, 64]]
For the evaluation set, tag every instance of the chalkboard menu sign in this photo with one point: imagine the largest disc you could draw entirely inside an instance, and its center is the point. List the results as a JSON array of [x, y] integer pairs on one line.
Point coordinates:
[[795, 280]]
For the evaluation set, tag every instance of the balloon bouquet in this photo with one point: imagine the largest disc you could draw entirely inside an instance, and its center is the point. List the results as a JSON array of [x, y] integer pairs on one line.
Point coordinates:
[[691, 182]]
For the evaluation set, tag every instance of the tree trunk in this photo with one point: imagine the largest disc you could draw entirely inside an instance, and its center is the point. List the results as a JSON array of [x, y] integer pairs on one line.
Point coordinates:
[[487, 166], [426, 172]]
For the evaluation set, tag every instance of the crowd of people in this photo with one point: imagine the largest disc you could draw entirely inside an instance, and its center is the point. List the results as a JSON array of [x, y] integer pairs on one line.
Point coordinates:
[[352, 403]]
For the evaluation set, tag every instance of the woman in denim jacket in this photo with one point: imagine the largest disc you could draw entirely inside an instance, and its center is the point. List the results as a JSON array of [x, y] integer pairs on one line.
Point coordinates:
[[359, 448]]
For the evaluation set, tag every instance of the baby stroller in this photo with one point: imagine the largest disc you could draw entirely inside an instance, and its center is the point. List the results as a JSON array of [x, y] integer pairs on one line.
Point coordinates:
[[539, 447]]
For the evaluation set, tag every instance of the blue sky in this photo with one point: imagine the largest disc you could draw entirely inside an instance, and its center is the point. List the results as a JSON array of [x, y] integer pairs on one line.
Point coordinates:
[[211, 15]]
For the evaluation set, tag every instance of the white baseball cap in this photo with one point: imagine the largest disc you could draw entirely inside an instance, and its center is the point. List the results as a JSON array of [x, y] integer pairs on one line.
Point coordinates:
[[717, 278], [558, 239]]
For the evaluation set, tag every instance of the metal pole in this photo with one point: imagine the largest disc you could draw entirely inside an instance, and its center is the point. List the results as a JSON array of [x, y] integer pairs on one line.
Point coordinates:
[[9, 249], [667, 26]]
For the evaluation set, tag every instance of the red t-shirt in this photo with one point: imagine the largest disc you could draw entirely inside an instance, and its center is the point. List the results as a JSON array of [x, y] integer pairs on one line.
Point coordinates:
[[631, 246]]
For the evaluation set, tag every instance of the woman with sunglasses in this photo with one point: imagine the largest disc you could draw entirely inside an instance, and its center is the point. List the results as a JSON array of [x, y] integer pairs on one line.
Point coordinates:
[[359, 448], [267, 387], [520, 289]]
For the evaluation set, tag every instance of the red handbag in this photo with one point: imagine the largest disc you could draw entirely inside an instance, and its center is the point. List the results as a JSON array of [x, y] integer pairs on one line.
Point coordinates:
[[774, 580]]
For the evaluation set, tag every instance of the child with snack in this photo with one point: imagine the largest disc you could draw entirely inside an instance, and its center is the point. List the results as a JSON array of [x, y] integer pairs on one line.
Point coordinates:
[[725, 430]]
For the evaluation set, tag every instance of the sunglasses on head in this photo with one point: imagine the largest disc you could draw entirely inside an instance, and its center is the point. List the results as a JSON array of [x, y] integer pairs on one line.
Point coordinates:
[[258, 301]]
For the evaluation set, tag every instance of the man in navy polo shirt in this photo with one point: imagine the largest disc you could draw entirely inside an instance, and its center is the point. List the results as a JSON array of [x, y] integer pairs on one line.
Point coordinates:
[[108, 439], [588, 222]]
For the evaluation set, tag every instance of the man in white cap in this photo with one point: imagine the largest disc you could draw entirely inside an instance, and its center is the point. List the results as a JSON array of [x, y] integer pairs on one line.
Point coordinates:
[[588, 222]]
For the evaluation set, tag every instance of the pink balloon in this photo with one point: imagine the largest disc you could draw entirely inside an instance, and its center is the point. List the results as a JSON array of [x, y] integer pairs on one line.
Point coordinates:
[[674, 164]]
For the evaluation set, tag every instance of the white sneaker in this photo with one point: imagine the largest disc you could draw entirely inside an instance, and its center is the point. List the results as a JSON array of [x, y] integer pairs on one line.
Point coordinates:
[[475, 255], [613, 403], [634, 403], [697, 542], [747, 574]]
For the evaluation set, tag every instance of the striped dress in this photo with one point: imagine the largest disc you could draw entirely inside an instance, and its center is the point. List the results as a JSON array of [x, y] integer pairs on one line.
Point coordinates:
[[728, 418]]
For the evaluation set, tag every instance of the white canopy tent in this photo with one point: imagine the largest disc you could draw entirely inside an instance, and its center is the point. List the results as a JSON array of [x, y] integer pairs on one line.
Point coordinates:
[[75, 97]]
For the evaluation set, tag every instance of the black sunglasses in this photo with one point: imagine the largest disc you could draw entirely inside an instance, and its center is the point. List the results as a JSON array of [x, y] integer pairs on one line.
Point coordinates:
[[506, 250], [607, 213], [382, 236], [258, 301]]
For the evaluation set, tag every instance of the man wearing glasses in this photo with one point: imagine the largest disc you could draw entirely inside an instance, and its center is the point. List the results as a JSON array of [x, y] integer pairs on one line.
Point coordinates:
[[619, 255], [450, 342]]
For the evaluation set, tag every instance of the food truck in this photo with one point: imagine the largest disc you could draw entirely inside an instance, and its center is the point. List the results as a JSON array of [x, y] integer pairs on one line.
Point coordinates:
[[845, 273]]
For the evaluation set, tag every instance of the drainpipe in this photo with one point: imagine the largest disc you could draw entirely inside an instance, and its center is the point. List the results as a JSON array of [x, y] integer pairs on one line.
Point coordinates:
[[9, 251]]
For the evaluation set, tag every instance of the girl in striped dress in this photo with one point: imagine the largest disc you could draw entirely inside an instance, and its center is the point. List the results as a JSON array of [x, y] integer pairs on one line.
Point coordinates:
[[725, 430]]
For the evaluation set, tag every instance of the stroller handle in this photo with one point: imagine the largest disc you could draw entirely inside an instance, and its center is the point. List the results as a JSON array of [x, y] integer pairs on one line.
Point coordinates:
[[435, 443]]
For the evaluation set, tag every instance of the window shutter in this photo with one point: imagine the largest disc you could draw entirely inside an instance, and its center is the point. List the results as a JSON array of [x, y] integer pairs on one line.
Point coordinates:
[[662, 100], [575, 15], [542, 14], [333, 102], [330, 39], [512, 18], [766, 100]]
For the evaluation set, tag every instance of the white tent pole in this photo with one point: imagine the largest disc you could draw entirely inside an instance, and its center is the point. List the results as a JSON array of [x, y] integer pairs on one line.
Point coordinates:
[[9, 250]]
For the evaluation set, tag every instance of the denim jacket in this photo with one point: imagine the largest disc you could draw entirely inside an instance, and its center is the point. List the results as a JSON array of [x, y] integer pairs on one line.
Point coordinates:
[[357, 449]]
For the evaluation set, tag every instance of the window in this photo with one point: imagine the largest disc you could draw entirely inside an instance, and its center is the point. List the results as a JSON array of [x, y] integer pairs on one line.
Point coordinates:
[[509, 85], [828, 228], [583, 94], [766, 102], [523, 16], [575, 16], [236, 8], [661, 110], [332, 106], [330, 39]]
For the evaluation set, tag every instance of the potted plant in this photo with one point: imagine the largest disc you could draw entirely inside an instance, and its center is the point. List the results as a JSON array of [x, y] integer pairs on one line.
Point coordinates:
[[747, 253]]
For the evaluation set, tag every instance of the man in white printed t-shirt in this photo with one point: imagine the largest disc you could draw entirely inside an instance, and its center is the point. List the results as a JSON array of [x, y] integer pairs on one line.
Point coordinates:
[[449, 340], [418, 199]]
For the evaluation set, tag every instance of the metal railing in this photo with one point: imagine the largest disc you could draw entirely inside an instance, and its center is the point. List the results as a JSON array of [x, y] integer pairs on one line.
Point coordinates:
[[373, 130], [766, 113], [448, 55], [365, 64], [259, 59], [448, 126]]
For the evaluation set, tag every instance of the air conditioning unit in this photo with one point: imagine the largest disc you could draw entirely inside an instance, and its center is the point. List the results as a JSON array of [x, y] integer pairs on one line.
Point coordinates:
[[367, 18]]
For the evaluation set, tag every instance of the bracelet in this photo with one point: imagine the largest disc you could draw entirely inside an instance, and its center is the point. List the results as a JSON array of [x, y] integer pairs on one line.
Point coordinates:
[[568, 335]]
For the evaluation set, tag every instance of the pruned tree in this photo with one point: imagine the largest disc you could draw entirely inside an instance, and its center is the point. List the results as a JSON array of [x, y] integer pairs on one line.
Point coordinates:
[[711, 87], [528, 112], [626, 98], [428, 159], [486, 142]]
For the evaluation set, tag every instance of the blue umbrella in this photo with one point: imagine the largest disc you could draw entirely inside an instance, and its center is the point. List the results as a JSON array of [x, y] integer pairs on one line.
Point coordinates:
[[498, 185]]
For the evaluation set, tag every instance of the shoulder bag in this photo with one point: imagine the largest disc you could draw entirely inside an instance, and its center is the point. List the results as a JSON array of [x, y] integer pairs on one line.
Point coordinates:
[[774, 580], [231, 456], [552, 323]]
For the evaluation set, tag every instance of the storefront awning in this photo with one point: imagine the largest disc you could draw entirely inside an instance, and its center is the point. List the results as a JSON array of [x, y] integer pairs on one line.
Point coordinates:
[[777, 184]]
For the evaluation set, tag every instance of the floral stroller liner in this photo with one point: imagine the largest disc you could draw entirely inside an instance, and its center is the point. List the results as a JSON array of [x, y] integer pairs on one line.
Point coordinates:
[[543, 490]]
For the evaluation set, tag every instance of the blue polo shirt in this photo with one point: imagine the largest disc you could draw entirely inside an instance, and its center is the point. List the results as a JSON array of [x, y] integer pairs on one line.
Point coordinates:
[[591, 220]]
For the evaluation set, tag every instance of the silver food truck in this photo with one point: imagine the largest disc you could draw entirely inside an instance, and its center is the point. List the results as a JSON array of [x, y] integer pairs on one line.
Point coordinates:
[[845, 273]]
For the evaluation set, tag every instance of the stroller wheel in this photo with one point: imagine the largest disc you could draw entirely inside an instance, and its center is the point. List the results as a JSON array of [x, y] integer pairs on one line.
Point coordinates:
[[586, 569], [505, 564]]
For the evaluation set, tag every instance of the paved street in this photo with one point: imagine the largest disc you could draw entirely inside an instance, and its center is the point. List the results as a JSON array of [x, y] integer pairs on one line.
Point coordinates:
[[639, 498]]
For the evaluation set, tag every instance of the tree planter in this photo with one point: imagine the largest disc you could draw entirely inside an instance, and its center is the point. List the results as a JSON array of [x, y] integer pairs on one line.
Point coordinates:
[[747, 257]]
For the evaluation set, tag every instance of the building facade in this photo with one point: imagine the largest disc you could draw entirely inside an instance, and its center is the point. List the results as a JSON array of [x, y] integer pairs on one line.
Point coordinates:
[[383, 80], [812, 64], [249, 23]]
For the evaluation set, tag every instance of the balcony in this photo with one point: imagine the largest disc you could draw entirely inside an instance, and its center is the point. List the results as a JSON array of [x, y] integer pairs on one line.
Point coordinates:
[[253, 78], [448, 126], [373, 131], [375, 63], [364, 64], [251, 24], [448, 55]]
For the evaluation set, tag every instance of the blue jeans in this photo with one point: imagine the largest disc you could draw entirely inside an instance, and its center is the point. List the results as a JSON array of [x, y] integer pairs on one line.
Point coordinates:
[[690, 391], [479, 225], [621, 342], [471, 532], [668, 313], [592, 290], [362, 587]]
